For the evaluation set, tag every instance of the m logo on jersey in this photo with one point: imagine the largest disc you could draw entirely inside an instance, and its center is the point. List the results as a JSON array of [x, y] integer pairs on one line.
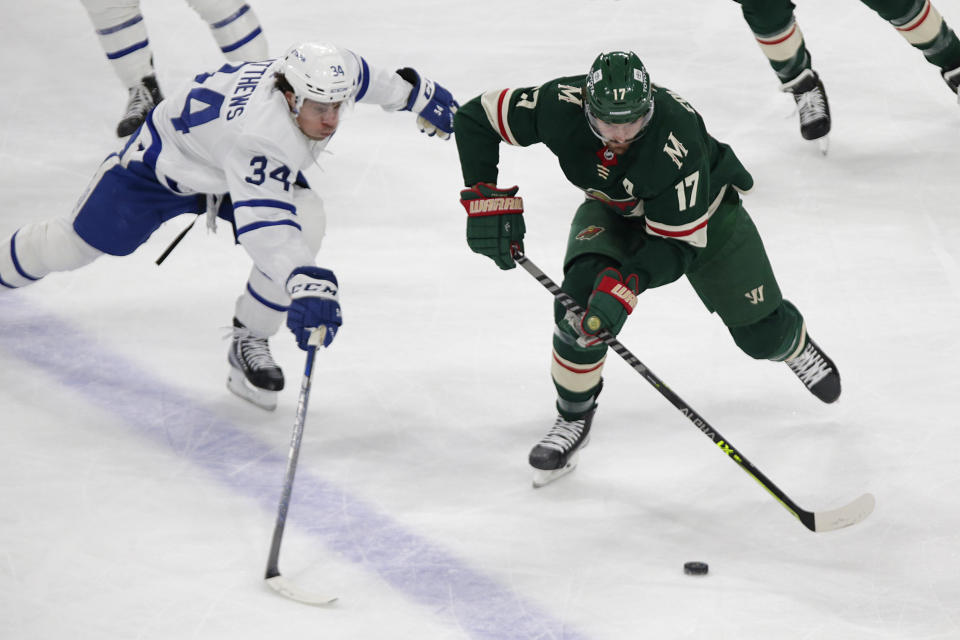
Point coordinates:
[[568, 93], [675, 150], [590, 233], [755, 296]]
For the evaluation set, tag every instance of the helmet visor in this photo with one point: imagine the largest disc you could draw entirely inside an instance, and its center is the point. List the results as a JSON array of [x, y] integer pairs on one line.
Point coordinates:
[[618, 133]]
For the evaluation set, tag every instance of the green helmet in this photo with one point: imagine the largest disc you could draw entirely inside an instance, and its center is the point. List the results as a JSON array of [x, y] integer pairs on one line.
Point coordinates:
[[618, 88]]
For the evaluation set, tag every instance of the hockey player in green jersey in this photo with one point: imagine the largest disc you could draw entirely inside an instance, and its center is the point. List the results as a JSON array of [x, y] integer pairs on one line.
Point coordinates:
[[661, 202]]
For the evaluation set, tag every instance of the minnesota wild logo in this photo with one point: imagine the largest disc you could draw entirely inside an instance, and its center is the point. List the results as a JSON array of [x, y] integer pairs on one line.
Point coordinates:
[[590, 233]]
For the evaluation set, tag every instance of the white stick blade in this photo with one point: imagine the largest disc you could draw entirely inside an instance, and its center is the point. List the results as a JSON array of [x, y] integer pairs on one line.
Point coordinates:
[[289, 590], [847, 516]]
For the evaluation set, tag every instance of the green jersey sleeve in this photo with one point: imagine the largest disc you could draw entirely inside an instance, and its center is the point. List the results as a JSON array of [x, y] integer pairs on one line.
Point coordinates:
[[520, 117]]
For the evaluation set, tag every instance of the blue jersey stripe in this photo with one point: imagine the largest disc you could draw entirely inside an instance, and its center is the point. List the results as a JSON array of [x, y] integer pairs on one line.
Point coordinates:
[[16, 263], [265, 202], [128, 50], [233, 16], [364, 78], [120, 27], [150, 155], [266, 223], [264, 301], [242, 41]]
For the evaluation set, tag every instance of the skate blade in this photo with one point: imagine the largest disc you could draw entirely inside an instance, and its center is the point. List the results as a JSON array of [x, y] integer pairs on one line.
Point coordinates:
[[543, 477], [823, 144], [240, 386]]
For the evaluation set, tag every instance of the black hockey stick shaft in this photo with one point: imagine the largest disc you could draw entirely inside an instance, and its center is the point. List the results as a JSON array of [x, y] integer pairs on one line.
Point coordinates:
[[296, 437], [806, 517], [176, 241]]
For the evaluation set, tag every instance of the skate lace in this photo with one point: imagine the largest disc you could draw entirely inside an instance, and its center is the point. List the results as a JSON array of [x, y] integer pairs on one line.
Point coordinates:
[[563, 435], [809, 366], [812, 106], [254, 351], [139, 102]]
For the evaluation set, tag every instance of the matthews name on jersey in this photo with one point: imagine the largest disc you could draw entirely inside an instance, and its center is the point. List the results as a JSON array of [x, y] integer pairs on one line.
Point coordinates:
[[231, 131]]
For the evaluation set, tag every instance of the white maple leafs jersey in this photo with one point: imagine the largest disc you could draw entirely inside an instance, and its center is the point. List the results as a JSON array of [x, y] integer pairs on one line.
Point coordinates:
[[231, 131]]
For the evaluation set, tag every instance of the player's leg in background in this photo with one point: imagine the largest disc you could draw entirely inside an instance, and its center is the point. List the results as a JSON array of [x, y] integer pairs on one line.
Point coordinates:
[[37, 249], [924, 28], [775, 29], [733, 278], [235, 28], [122, 206], [123, 36], [259, 313]]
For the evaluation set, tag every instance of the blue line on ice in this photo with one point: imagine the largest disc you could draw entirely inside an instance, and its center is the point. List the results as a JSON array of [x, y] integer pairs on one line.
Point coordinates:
[[413, 565]]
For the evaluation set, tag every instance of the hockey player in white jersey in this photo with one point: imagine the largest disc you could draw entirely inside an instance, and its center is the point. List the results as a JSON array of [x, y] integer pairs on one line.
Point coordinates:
[[233, 143], [123, 36]]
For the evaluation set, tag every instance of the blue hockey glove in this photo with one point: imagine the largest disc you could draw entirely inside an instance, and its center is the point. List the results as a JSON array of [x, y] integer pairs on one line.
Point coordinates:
[[313, 304], [432, 103]]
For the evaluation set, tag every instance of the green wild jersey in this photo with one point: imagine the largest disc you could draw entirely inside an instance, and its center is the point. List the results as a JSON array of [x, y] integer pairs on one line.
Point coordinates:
[[674, 176]]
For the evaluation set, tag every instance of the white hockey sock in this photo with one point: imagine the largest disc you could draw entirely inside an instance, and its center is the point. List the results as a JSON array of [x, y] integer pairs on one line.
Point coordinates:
[[123, 36], [40, 248], [235, 27], [262, 307]]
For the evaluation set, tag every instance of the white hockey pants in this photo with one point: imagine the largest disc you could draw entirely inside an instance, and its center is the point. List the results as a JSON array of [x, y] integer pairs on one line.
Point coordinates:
[[38, 249]]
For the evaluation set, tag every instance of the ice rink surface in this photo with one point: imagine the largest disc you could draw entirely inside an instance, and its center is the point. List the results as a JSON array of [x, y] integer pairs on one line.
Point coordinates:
[[139, 496]]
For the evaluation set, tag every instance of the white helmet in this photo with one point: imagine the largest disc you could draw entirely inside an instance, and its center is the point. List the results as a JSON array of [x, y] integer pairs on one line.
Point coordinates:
[[319, 71]]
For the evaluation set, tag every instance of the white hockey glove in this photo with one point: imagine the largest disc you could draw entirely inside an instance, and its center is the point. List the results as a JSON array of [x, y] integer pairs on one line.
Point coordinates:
[[432, 103]]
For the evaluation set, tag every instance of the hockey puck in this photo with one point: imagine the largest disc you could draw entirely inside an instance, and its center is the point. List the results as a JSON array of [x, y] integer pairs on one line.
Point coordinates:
[[695, 568]]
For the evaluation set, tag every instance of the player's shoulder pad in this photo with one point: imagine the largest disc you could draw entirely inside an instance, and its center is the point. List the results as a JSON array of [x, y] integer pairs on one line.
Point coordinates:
[[523, 115], [677, 137], [564, 94], [672, 104]]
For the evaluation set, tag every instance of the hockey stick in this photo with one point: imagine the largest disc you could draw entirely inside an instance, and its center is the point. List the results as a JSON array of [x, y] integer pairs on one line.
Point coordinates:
[[818, 521], [276, 581], [176, 241]]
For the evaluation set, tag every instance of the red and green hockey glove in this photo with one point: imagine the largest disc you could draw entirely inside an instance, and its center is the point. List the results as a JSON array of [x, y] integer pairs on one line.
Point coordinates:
[[612, 300], [494, 221]]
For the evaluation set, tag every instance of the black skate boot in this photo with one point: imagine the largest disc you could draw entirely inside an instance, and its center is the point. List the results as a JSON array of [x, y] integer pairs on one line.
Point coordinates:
[[254, 375], [811, 99], [817, 372], [952, 78], [142, 97], [557, 453]]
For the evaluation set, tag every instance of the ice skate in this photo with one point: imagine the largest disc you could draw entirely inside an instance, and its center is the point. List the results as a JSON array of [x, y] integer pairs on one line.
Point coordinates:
[[811, 99], [952, 78], [557, 453], [254, 376], [817, 372], [142, 97]]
